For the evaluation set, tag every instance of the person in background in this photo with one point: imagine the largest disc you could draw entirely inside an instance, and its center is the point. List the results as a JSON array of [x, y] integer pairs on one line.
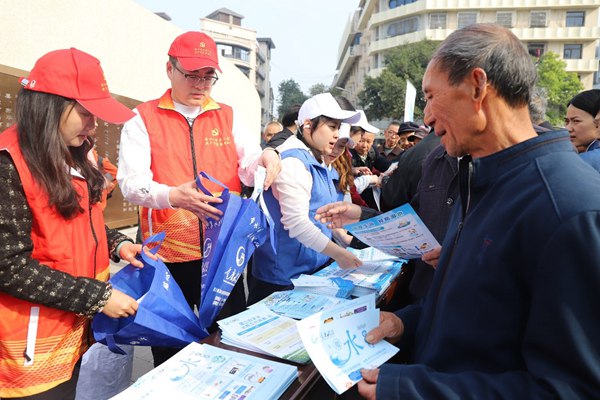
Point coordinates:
[[366, 161], [391, 148], [537, 110], [166, 145], [289, 126], [581, 121], [271, 128], [304, 184], [418, 135], [508, 312], [54, 258]]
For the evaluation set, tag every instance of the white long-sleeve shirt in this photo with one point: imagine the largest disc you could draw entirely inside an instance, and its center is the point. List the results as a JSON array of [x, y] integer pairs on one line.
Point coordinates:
[[292, 189], [135, 176]]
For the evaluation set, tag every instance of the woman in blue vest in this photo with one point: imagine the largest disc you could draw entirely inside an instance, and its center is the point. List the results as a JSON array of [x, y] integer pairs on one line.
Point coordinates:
[[303, 245]]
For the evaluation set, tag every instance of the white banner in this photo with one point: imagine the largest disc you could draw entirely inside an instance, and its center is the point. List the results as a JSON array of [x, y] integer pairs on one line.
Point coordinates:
[[409, 101]]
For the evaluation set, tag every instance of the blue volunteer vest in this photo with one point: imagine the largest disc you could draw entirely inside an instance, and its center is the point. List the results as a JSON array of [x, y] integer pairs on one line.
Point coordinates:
[[293, 258]]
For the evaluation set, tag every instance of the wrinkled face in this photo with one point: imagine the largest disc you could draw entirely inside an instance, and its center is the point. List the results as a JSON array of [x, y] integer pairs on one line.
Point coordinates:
[[270, 131], [192, 91], [450, 111], [365, 143], [582, 127], [391, 136], [76, 124], [324, 136]]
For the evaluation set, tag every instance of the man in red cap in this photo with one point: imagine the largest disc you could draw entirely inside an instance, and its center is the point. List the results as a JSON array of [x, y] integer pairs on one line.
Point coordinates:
[[166, 145]]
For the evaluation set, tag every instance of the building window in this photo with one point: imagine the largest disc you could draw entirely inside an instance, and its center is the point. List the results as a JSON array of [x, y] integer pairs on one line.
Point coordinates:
[[398, 3], [437, 21], [536, 49], [466, 19], [505, 19], [575, 18], [539, 19], [403, 27], [572, 51], [356, 40]]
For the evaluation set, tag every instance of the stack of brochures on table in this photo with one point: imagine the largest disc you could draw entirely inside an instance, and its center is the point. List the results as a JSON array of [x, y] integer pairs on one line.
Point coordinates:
[[335, 286], [335, 340], [260, 330], [201, 371], [298, 304], [371, 277]]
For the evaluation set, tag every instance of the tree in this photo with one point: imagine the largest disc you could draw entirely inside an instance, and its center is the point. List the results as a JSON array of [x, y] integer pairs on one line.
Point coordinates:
[[289, 94], [383, 96], [560, 86], [318, 88]]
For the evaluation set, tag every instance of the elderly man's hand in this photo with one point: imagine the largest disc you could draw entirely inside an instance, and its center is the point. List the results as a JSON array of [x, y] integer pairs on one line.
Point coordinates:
[[368, 386], [390, 328], [338, 214]]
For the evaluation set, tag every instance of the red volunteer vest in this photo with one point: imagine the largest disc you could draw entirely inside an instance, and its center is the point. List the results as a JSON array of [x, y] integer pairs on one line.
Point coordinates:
[[171, 164], [52, 339]]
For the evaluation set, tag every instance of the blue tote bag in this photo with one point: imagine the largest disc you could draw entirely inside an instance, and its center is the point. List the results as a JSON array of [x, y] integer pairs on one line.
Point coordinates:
[[228, 244], [163, 318]]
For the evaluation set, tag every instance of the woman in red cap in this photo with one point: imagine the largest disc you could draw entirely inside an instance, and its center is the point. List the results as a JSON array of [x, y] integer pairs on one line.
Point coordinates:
[[54, 259]]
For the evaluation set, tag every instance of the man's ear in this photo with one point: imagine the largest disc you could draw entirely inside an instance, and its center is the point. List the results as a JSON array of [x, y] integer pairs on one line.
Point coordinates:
[[479, 79]]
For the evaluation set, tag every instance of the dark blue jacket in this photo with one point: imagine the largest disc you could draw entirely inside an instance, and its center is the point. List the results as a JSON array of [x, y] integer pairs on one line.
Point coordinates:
[[513, 310]]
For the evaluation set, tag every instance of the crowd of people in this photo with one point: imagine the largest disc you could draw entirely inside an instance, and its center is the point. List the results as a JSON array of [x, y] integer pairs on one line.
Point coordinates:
[[503, 309]]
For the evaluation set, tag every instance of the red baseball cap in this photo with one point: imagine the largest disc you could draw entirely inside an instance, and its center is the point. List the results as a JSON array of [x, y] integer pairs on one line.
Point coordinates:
[[195, 50], [76, 75]]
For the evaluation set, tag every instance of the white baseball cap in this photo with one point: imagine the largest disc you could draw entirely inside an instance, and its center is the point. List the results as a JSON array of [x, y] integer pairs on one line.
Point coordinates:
[[324, 104], [364, 123], [344, 133]]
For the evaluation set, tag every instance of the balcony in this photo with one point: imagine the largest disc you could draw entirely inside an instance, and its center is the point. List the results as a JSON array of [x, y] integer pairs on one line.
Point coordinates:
[[581, 33], [582, 65], [395, 41]]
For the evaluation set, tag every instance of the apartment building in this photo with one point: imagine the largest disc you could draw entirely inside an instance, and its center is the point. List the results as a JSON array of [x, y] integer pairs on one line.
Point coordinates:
[[241, 46], [568, 28]]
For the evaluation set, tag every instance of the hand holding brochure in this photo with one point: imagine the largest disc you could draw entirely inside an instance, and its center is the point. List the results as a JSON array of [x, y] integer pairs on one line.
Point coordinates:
[[335, 341], [399, 232], [201, 371]]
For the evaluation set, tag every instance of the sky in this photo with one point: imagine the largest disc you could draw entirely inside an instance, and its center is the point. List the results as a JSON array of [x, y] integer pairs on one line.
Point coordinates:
[[306, 33]]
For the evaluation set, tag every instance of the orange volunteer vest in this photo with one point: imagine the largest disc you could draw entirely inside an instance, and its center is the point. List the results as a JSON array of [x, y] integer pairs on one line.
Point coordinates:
[[172, 164], [39, 345]]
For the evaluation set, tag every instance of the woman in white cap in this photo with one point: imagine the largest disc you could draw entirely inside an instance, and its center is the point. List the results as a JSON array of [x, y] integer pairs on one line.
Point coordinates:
[[54, 259], [302, 244]]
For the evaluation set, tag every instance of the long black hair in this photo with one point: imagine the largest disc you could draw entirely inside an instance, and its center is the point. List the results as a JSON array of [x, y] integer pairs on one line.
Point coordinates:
[[48, 157]]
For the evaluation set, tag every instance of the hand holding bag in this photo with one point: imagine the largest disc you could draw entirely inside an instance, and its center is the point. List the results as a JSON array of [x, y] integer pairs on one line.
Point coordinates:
[[163, 318]]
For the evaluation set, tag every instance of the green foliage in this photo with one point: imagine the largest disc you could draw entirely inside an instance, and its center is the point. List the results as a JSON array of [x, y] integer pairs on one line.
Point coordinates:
[[289, 94], [383, 96], [560, 86], [317, 88]]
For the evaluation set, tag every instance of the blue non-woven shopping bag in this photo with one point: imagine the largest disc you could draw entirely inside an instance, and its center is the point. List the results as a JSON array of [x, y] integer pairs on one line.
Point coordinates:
[[228, 244], [163, 318]]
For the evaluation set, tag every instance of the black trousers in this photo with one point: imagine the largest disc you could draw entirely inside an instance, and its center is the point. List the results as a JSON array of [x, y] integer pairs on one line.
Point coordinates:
[[188, 276], [64, 391]]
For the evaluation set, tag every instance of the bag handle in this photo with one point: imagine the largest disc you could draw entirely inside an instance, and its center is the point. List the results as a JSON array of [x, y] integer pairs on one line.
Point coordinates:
[[210, 178], [157, 237], [112, 345]]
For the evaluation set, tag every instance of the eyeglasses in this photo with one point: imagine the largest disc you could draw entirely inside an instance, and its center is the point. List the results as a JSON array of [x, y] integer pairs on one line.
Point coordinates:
[[196, 79]]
